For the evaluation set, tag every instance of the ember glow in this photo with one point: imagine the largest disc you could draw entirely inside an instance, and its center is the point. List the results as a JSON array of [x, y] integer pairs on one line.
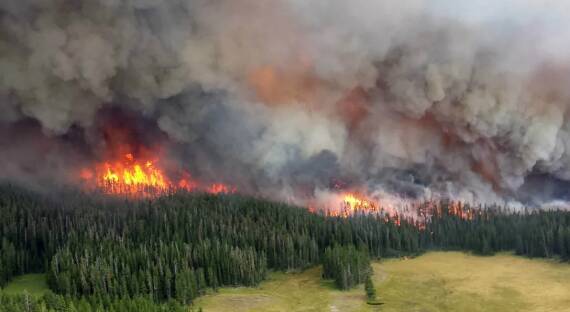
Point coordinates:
[[220, 188]]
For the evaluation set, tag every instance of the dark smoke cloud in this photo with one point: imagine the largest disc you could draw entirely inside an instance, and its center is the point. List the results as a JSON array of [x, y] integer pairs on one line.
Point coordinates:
[[417, 98]]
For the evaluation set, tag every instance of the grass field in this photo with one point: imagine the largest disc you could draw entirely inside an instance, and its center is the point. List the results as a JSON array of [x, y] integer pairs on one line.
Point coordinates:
[[437, 281], [459, 282], [34, 284], [285, 292]]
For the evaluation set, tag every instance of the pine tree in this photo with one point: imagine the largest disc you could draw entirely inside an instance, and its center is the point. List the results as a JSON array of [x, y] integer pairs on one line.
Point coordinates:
[[370, 289]]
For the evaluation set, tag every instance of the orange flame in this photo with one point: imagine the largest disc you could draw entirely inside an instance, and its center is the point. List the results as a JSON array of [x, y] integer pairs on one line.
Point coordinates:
[[218, 188], [355, 203], [132, 173], [129, 176]]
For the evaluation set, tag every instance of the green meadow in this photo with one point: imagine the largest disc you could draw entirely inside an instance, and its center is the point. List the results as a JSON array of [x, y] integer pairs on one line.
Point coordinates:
[[436, 281]]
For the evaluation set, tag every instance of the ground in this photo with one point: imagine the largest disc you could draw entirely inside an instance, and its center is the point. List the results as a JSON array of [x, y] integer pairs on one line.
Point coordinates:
[[436, 281], [459, 282], [285, 292], [34, 284]]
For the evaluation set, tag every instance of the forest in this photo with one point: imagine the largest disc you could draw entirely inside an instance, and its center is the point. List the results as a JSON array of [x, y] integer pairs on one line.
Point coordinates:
[[116, 254]]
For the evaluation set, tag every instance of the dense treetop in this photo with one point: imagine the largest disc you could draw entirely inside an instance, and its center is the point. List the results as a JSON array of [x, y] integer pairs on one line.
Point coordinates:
[[177, 246]]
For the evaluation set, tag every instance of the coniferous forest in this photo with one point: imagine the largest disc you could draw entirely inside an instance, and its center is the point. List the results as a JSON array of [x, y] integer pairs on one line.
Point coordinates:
[[115, 254]]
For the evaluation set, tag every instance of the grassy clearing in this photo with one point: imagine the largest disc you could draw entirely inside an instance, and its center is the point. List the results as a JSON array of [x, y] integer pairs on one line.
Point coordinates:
[[34, 284], [453, 281], [286, 292], [437, 281]]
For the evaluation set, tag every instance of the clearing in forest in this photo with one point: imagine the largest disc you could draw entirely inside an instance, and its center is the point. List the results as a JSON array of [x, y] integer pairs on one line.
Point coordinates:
[[436, 281]]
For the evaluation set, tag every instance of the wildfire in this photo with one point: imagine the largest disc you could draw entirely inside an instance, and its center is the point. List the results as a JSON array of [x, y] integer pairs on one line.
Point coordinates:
[[141, 178], [218, 188], [355, 203], [416, 213], [135, 174]]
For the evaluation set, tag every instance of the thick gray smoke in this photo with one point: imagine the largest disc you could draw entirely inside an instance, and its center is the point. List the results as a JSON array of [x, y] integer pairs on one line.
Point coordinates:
[[415, 97]]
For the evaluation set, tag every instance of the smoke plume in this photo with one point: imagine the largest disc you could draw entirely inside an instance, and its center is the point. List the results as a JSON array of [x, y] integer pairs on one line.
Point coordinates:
[[286, 98]]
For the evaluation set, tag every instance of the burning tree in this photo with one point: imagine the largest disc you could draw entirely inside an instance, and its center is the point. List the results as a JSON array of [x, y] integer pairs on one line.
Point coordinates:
[[135, 177]]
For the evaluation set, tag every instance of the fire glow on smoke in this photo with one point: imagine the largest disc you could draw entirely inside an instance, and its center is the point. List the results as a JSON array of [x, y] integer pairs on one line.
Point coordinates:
[[144, 178], [127, 166], [409, 98]]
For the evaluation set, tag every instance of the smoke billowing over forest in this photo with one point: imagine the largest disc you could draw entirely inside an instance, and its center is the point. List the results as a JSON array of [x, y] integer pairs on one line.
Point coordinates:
[[294, 99]]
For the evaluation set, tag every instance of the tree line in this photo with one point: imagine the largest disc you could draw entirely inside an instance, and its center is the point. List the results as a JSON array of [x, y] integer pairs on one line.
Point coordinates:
[[348, 266], [51, 302], [177, 246]]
